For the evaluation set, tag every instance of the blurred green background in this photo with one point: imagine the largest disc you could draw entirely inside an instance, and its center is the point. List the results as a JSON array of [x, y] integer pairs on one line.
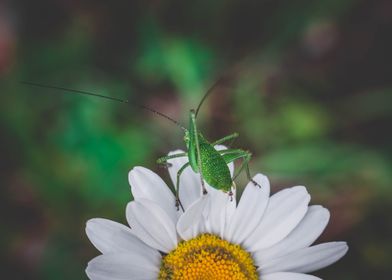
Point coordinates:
[[307, 85]]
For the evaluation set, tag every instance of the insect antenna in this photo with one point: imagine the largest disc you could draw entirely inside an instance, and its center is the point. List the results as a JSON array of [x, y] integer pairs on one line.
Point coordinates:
[[162, 115], [209, 91], [125, 101]]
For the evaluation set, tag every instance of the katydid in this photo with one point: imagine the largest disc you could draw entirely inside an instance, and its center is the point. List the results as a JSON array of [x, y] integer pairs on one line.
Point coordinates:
[[203, 158], [208, 162]]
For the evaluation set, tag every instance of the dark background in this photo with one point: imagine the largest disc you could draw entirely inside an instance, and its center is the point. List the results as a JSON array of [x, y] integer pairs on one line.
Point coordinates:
[[307, 85]]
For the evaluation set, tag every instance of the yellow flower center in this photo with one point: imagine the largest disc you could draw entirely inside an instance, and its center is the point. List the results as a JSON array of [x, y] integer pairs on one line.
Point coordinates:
[[207, 257]]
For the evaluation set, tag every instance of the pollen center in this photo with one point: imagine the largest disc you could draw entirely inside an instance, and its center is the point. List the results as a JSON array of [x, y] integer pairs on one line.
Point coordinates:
[[207, 257]]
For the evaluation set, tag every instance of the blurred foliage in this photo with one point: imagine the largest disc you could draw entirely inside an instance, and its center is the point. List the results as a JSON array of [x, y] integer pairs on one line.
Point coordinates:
[[307, 85]]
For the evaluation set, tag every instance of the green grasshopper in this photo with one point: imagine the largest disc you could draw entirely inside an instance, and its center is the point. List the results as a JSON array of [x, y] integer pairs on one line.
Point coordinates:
[[203, 158], [208, 162]]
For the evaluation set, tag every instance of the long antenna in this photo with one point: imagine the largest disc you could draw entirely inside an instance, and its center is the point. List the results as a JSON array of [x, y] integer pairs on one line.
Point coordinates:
[[209, 91], [82, 92]]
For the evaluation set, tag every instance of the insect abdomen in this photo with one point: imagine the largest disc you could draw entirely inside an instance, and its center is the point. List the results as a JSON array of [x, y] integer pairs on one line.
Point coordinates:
[[214, 168]]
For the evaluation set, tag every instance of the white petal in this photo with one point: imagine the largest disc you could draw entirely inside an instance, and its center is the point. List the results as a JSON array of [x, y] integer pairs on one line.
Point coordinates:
[[288, 276], [190, 223], [146, 184], [152, 225], [285, 210], [308, 230], [250, 210], [111, 237], [189, 180], [123, 266], [307, 259], [220, 206]]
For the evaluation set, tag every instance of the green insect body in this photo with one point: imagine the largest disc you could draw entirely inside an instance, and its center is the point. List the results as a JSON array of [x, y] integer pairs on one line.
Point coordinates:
[[214, 168], [208, 162]]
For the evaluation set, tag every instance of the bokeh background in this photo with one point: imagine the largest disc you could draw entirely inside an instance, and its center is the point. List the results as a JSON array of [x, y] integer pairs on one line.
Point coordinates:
[[307, 84]]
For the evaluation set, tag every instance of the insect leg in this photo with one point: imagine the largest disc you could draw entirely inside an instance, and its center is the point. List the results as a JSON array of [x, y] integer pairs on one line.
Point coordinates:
[[231, 155], [193, 119], [177, 189], [226, 138], [163, 160]]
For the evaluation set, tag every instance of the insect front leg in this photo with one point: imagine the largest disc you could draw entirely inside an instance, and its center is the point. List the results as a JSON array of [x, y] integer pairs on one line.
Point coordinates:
[[231, 155], [163, 160], [177, 189]]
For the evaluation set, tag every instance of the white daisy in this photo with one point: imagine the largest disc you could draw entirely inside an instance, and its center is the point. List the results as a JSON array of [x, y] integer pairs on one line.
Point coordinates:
[[262, 237]]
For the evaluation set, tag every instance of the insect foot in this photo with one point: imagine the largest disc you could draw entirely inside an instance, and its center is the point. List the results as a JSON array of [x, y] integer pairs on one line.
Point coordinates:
[[178, 205], [231, 194], [255, 183]]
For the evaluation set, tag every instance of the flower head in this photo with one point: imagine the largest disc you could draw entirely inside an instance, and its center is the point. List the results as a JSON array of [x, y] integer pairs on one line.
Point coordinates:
[[262, 237]]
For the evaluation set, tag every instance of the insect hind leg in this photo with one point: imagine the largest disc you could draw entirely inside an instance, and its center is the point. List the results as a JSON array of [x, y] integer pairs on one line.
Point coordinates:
[[177, 189], [245, 165], [198, 153], [231, 137], [231, 155]]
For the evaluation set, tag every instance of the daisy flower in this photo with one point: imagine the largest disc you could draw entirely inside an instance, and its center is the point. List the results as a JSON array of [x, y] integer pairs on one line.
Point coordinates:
[[263, 237]]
